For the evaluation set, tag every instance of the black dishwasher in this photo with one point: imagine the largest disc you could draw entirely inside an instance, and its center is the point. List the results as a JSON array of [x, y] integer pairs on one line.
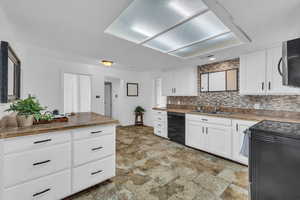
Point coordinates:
[[176, 127]]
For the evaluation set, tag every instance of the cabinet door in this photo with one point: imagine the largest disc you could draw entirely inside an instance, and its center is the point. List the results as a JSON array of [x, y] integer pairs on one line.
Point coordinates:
[[238, 137], [274, 79], [186, 82], [195, 135], [253, 73], [167, 84], [218, 139]]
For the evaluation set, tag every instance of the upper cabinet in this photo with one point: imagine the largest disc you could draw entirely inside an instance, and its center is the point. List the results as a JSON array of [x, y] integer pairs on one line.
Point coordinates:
[[259, 74], [180, 82]]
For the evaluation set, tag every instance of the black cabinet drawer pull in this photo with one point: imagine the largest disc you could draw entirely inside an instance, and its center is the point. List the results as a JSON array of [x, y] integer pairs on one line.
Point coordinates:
[[204, 119], [94, 132], [40, 163], [42, 192], [97, 148], [97, 172], [42, 141]]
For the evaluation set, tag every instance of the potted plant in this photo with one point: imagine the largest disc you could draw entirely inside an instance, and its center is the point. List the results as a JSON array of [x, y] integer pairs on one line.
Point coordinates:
[[139, 109], [43, 118], [139, 112], [26, 109]]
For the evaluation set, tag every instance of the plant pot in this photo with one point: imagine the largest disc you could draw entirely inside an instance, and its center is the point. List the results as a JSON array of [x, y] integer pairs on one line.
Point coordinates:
[[25, 121]]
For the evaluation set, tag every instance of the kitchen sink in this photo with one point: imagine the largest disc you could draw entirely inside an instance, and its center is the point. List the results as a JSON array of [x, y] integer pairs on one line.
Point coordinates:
[[213, 112]]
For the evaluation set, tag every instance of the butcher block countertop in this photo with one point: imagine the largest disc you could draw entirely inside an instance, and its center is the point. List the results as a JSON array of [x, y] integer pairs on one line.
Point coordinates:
[[240, 116], [79, 120]]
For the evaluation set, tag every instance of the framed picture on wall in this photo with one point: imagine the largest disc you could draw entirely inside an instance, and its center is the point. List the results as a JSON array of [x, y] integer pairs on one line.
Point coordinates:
[[132, 89], [10, 74]]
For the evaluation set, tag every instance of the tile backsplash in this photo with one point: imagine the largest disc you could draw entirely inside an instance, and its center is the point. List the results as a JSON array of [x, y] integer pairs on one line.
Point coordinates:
[[233, 99]]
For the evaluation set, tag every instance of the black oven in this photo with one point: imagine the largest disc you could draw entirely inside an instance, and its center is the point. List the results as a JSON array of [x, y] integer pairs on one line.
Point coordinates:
[[176, 127]]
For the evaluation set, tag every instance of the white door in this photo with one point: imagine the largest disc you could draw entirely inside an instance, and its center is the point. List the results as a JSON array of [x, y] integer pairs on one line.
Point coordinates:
[[253, 73], [77, 93], [218, 140], [238, 137], [108, 99], [195, 135], [273, 77]]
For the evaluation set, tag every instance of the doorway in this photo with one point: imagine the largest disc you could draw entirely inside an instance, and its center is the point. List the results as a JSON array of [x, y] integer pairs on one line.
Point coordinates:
[[108, 99]]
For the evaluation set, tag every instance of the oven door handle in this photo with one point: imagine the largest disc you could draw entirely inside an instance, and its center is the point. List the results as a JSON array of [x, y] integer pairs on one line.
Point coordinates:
[[279, 67]]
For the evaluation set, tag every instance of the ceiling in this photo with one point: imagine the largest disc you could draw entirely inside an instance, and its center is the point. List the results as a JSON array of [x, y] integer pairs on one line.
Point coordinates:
[[77, 27]]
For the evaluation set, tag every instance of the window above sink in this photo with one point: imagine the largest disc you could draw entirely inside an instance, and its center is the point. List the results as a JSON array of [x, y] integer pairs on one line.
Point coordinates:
[[178, 27]]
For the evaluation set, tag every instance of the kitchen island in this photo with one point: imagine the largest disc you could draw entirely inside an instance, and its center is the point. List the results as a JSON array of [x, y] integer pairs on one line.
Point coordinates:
[[56, 160]]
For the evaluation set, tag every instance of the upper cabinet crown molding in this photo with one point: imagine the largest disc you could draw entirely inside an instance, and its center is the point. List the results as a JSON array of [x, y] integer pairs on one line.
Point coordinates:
[[259, 74], [180, 82]]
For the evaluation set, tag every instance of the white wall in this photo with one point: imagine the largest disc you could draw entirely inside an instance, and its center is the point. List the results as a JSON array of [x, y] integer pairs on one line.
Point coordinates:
[[6, 34], [42, 70]]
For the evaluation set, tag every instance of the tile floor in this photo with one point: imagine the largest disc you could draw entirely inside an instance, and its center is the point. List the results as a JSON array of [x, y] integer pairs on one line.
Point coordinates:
[[152, 168]]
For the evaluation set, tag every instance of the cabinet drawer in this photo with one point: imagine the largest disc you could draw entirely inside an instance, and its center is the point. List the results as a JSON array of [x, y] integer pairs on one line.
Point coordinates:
[[94, 131], [33, 164], [24, 143], [52, 187], [93, 148], [93, 173], [210, 120], [159, 124]]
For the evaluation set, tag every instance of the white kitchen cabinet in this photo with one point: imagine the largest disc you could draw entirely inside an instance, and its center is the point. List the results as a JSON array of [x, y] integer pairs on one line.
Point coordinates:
[[219, 140], [195, 135], [180, 82], [239, 126], [253, 73], [209, 134], [160, 123], [274, 79], [259, 74], [57, 164]]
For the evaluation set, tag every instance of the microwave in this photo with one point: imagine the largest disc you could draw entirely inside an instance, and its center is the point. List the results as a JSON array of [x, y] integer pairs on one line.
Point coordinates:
[[289, 64]]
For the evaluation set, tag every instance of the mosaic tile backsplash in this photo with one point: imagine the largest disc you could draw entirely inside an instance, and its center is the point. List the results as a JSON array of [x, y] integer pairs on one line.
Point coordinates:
[[233, 99]]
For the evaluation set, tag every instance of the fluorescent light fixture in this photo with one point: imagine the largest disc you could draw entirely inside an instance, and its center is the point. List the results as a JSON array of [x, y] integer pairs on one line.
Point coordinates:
[[107, 63], [144, 30], [180, 8], [182, 28]]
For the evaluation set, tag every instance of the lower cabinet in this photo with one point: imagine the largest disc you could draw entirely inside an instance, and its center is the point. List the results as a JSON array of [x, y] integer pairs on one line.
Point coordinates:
[[215, 139], [55, 165], [239, 126], [219, 140], [160, 123], [53, 187], [220, 136]]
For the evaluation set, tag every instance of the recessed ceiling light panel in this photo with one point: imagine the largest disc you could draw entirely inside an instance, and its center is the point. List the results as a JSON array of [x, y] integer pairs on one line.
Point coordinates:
[[183, 28], [200, 28], [218, 43], [144, 19]]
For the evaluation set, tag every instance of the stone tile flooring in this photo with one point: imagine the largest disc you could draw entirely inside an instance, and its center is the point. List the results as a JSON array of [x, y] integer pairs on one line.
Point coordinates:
[[152, 168]]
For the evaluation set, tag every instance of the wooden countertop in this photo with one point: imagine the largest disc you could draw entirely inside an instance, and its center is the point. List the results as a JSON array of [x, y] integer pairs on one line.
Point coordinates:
[[240, 116], [79, 120]]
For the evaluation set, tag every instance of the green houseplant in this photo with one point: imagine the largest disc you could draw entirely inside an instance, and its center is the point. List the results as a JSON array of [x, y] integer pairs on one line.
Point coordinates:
[[43, 118], [26, 109], [139, 109]]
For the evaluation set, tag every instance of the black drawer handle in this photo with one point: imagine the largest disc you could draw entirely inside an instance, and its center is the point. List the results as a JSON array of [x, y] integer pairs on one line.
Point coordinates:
[[42, 141], [97, 172], [42, 192], [204, 119], [40, 163], [97, 148], [94, 132]]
